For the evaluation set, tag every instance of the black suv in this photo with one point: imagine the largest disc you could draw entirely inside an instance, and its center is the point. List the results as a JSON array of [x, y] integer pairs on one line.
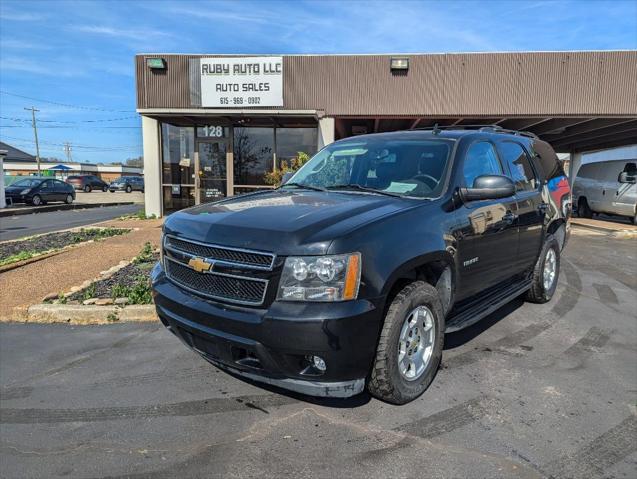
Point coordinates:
[[350, 274]]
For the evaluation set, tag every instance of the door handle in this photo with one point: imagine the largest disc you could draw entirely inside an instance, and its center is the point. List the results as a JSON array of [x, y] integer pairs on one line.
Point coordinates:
[[509, 217]]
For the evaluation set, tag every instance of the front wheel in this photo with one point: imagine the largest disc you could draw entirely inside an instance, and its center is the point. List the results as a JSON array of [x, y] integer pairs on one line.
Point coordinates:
[[87, 189], [583, 210], [410, 346], [129, 189], [69, 199], [545, 273], [36, 200], [105, 189]]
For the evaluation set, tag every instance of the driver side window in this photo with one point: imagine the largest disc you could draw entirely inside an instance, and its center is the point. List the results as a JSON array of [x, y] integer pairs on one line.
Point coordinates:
[[480, 159]]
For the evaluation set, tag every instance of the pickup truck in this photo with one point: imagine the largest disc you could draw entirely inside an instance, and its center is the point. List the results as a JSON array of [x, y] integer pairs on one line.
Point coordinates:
[[349, 275]]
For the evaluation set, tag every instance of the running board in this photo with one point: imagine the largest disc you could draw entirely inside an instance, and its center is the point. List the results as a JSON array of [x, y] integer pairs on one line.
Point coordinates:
[[478, 309]]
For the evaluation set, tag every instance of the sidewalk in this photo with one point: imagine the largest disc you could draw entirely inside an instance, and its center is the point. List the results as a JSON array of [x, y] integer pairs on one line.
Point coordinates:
[[29, 284]]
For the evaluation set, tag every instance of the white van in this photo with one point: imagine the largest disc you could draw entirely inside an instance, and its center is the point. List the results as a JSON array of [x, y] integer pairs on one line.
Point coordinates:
[[606, 187]]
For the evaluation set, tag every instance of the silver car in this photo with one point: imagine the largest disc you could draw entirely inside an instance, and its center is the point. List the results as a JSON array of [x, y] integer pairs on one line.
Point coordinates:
[[607, 187]]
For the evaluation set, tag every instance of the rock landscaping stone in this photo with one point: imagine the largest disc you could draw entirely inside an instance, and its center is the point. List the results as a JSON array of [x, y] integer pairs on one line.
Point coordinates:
[[121, 301], [104, 301], [89, 301], [50, 297]]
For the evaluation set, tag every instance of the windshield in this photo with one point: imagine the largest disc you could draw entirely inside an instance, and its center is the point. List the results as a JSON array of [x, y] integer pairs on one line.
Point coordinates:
[[398, 167], [27, 183]]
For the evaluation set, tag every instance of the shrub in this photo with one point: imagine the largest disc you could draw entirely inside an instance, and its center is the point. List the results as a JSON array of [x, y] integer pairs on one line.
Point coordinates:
[[276, 176]]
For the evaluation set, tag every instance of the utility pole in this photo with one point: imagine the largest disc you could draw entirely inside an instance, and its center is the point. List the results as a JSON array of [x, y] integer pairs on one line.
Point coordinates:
[[67, 150], [35, 133]]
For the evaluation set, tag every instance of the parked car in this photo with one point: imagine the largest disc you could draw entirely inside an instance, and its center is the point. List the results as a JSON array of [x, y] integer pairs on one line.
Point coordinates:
[[87, 183], [607, 187], [350, 274], [127, 184], [38, 191]]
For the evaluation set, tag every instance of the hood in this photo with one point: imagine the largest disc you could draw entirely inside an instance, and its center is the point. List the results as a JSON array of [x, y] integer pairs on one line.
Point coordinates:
[[283, 222], [17, 189]]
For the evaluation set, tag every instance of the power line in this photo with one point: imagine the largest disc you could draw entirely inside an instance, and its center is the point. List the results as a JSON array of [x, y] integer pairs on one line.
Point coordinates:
[[65, 104], [72, 127], [103, 148], [23, 120], [35, 133]]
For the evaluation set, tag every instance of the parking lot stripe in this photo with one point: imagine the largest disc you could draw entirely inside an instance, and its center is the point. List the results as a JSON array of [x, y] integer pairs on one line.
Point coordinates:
[[187, 408], [596, 457], [448, 420]]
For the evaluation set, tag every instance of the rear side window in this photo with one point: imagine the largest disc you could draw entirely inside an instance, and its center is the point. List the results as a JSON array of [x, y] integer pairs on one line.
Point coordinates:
[[547, 160], [480, 159], [521, 171]]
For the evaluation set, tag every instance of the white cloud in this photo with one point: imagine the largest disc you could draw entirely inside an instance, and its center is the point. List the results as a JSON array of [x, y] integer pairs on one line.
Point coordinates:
[[140, 34], [48, 68], [20, 16]]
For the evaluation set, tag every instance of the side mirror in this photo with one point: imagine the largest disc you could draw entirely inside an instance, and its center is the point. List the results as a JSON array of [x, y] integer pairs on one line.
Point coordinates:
[[624, 177], [286, 177], [488, 187]]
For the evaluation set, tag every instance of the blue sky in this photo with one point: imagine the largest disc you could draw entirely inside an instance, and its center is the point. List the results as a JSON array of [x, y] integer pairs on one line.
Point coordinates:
[[78, 55]]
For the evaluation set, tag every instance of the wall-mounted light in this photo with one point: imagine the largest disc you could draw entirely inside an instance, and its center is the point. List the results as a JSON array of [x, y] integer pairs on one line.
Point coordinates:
[[156, 63], [399, 63]]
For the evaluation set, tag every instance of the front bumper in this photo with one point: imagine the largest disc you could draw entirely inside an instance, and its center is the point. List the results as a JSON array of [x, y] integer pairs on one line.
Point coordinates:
[[117, 188], [272, 345]]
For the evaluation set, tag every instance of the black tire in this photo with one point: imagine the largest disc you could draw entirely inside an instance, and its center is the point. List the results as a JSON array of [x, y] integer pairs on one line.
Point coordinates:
[[36, 200], [112, 191], [69, 199], [583, 210], [538, 292], [385, 381], [87, 189], [104, 189], [128, 188]]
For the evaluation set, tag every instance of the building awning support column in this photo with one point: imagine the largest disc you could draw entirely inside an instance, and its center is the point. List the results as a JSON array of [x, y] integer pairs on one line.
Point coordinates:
[[152, 166]]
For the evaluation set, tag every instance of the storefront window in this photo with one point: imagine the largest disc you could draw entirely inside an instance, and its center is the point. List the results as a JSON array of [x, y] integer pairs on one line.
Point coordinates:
[[291, 141], [178, 166], [253, 150]]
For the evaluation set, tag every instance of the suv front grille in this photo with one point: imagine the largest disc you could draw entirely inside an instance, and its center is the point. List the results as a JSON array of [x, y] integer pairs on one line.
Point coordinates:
[[235, 289], [218, 253], [234, 276]]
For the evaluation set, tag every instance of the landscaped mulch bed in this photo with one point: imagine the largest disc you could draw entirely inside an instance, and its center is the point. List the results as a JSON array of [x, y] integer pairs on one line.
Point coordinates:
[[53, 241], [132, 282]]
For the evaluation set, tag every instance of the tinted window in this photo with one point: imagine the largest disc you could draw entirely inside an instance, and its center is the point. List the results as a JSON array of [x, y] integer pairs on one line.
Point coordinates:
[[547, 160], [27, 183], [480, 159], [253, 155], [521, 170], [46, 185]]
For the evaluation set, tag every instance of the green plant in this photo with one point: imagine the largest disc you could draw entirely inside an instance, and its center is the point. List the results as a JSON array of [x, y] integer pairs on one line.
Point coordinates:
[[89, 292], [275, 177], [111, 317], [21, 256], [141, 293], [119, 291], [61, 298], [146, 255]]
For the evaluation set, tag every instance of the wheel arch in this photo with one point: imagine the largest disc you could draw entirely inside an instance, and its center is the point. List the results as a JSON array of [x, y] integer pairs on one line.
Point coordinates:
[[436, 268]]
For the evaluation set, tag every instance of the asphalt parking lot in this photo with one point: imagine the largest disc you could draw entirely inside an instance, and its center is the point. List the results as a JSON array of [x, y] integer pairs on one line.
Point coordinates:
[[531, 391]]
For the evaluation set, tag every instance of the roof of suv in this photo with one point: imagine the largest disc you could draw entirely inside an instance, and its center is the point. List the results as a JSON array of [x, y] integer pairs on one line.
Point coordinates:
[[452, 133]]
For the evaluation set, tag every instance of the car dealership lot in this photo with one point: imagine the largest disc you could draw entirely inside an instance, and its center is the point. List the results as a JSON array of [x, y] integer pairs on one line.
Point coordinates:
[[531, 391]]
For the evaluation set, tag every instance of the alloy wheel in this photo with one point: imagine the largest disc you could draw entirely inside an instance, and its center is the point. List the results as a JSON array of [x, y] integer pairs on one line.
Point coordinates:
[[416, 343]]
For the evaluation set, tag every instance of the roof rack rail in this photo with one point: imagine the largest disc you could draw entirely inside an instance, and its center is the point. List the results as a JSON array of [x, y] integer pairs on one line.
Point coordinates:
[[486, 128]]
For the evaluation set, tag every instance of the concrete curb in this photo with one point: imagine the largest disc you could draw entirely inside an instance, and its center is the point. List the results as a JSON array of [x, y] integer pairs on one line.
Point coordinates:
[[61, 207], [86, 315], [610, 231]]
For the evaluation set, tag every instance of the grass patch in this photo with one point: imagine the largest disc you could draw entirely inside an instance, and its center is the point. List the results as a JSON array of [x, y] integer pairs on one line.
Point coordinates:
[[140, 215], [21, 256]]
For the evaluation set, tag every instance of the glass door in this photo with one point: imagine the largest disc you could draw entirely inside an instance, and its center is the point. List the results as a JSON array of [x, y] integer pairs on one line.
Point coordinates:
[[210, 165]]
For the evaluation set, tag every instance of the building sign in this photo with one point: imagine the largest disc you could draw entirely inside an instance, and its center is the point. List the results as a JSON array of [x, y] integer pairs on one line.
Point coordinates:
[[241, 82]]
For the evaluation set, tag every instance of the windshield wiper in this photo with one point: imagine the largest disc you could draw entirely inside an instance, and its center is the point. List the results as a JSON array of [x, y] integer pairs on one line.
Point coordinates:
[[356, 186], [301, 185]]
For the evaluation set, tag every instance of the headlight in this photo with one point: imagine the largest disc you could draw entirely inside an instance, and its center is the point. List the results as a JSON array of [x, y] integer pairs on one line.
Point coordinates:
[[320, 278], [25, 191]]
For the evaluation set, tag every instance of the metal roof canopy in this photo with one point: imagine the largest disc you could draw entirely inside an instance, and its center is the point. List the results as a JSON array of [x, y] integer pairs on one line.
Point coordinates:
[[565, 134]]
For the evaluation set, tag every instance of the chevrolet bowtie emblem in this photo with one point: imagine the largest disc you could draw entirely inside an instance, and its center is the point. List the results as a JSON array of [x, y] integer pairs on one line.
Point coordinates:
[[199, 265]]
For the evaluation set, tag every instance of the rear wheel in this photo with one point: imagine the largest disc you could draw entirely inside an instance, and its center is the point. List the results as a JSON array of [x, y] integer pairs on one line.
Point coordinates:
[[545, 273], [583, 210], [36, 200], [87, 189], [69, 199], [128, 188], [410, 345], [104, 188]]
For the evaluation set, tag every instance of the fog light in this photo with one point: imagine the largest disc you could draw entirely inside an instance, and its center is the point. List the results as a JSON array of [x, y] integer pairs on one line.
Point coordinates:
[[318, 363]]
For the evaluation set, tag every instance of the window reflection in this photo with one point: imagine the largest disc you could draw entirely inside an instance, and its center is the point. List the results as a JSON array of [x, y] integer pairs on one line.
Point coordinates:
[[290, 141], [253, 150]]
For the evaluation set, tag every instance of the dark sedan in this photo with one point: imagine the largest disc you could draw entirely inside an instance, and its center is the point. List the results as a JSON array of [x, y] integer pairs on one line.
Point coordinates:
[[39, 191], [127, 184], [87, 183]]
